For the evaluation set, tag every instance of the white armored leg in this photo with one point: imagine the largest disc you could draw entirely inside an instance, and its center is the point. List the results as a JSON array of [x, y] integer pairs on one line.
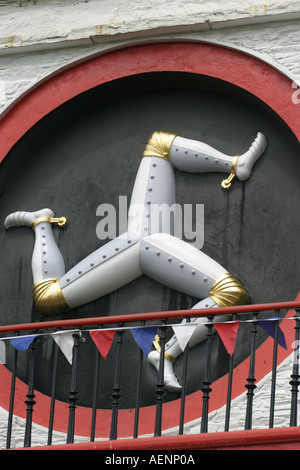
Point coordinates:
[[174, 348], [103, 271], [47, 262], [127, 258], [176, 345], [183, 267], [197, 157]]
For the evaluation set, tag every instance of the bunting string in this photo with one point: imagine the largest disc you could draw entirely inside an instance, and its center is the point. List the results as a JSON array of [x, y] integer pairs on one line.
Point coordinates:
[[144, 336], [183, 325], [119, 328]]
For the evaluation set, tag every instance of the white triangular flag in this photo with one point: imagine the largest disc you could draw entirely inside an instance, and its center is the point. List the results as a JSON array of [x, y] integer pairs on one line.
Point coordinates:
[[2, 352], [65, 341], [184, 333]]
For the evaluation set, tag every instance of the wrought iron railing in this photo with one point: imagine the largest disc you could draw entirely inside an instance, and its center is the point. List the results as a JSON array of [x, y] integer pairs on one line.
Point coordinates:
[[253, 313]]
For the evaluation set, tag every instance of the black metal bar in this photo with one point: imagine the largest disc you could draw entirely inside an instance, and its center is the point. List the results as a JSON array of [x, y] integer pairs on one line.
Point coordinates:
[[160, 386], [116, 391], [30, 396], [116, 395], [206, 382], [183, 390], [138, 392], [53, 388], [12, 397], [72, 399], [95, 393], [274, 372], [229, 388], [250, 386], [295, 373]]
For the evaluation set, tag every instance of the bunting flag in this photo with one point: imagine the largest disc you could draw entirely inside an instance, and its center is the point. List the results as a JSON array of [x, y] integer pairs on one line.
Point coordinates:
[[184, 333], [268, 326], [65, 341], [227, 333], [103, 340], [144, 337], [23, 342]]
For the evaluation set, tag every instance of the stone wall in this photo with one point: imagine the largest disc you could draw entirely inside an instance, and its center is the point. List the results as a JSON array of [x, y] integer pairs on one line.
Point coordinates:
[[38, 37]]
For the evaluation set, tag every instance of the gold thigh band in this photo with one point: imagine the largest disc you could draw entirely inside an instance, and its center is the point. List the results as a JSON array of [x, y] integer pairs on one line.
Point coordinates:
[[229, 291], [49, 298], [159, 145]]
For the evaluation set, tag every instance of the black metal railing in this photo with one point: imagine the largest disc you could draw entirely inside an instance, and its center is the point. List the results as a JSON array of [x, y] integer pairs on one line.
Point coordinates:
[[120, 323]]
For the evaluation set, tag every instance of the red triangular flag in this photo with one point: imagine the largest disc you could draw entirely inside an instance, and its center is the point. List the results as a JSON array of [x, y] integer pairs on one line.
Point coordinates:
[[227, 333], [103, 340]]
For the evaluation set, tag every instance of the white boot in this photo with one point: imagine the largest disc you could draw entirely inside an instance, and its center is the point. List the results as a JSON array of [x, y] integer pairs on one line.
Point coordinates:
[[21, 218], [177, 343], [246, 160], [170, 381]]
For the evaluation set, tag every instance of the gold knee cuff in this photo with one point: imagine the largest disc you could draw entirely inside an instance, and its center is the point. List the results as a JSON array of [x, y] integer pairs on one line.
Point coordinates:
[[159, 145], [229, 291], [49, 298]]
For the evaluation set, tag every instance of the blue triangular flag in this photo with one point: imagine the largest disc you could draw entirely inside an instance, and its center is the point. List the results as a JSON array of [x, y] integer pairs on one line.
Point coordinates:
[[144, 337], [269, 327], [22, 343]]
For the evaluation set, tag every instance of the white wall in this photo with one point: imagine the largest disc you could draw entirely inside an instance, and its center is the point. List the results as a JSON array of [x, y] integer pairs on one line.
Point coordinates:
[[39, 37]]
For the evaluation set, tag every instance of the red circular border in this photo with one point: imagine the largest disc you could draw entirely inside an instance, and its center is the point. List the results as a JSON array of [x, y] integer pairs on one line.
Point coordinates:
[[242, 70], [237, 68]]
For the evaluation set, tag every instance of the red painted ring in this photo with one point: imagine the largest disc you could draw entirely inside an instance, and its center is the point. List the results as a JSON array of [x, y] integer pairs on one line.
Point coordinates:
[[237, 68]]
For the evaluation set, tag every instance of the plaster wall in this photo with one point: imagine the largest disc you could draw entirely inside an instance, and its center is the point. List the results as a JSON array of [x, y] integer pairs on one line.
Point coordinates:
[[37, 38]]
